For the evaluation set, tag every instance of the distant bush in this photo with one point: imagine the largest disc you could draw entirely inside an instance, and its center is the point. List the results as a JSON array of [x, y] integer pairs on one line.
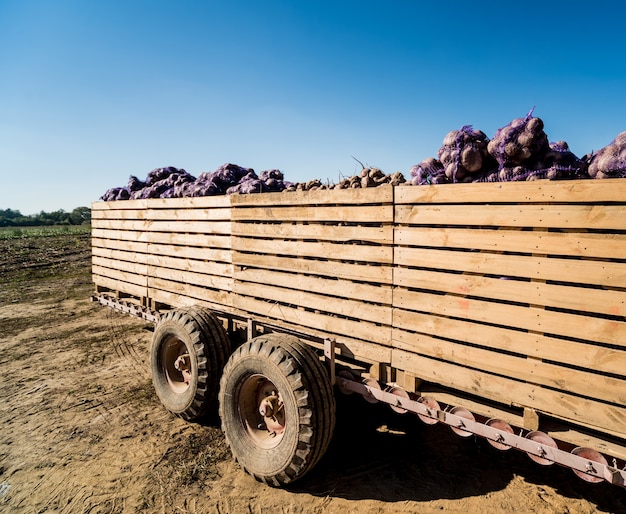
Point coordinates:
[[14, 218]]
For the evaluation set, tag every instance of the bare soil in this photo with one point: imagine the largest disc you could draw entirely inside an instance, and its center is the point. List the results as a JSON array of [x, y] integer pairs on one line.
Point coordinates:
[[81, 429]]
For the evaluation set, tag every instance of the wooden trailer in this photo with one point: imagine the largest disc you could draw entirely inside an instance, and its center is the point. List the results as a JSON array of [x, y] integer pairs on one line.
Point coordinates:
[[498, 309]]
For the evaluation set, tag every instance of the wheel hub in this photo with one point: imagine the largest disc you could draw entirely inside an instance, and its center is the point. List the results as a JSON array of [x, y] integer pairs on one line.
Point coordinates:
[[262, 411]]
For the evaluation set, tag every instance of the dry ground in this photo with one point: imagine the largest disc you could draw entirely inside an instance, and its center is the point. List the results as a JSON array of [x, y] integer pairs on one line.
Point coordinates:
[[82, 431]]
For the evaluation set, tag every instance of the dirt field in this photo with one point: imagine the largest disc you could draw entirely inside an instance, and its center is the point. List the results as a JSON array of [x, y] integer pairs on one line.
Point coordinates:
[[82, 431]]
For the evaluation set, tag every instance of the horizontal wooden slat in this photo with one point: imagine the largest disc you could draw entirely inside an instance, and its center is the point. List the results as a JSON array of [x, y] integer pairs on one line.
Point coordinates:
[[117, 245], [343, 289], [520, 317], [341, 270], [119, 214], [575, 244], [605, 417], [359, 196], [187, 214], [190, 240], [200, 202], [569, 191], [120, 204], [325, 250], [603, 273], [123, 235], [195, 253], [136, 225], [334, 307], [583, 299], [119, 255], [570, 352], [191, 227], [603, 217], [339, 233], [350, 213]]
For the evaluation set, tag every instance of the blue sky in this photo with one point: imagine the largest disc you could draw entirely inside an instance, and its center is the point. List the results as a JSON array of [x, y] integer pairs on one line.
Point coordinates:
[[92, 92]]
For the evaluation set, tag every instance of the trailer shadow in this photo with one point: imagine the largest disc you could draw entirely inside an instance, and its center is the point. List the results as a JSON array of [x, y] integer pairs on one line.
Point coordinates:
[[378, 454]]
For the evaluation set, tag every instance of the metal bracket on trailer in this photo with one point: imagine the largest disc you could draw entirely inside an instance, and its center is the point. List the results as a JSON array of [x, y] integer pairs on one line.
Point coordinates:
[[596, 470], [329, 356]]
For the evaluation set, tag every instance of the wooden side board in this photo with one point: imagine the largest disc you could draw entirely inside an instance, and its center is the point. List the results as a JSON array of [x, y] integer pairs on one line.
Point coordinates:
[[318, 261], [120, 247], [516, 292]]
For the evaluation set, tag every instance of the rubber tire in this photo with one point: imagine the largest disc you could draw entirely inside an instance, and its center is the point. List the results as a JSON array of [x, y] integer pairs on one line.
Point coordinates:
[[208, 346], [309, 403]]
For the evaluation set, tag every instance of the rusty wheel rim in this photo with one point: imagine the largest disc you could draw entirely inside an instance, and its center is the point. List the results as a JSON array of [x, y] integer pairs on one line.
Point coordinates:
[[261, 411], [545, 440], [176, 365], [592, 456]]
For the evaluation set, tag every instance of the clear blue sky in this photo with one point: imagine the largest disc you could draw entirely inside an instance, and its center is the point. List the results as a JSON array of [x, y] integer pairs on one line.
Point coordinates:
[[92, 91]]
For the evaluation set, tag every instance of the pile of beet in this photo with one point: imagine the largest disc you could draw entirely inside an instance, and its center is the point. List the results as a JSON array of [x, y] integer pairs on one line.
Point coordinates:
[[518, 151]]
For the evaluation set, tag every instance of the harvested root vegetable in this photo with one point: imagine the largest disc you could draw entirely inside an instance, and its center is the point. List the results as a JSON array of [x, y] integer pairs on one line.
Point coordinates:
[[610, 161], [370, 177], [464, 153], [515, 144], [429, 171]]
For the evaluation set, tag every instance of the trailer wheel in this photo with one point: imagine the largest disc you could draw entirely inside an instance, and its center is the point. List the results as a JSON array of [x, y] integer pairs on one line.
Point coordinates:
[[277, 408], [188, 353]]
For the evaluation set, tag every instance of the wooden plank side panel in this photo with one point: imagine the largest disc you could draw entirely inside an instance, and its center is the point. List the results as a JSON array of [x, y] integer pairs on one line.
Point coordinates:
[[335, 213], [119, 235], [201, 241], [118, 214], [137, 205], [217, 202], [322, 232], [193, 253], [378, 195], [562, 243], [566, 216], [190, 227], [583, 411], [568, 191], [113, 245], [324, 250]]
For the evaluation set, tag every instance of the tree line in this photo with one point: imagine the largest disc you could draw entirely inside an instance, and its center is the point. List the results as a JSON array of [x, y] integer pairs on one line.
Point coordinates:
[[14, 218]]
